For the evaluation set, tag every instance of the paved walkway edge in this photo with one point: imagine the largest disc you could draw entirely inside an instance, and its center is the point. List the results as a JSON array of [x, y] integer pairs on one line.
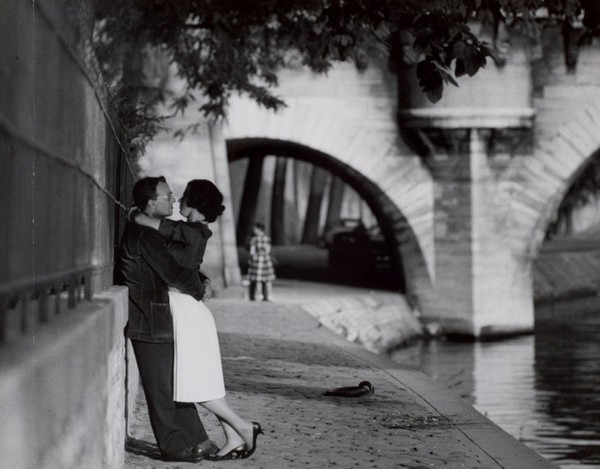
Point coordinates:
[[503, 448]]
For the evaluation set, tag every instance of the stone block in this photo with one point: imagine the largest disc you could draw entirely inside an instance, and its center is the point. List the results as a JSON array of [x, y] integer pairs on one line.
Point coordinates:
[[62, 391]]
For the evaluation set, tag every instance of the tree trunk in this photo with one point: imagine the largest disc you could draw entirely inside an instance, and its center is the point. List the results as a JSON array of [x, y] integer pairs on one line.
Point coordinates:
[[336, 197], [318, 181], [278, 201], [249, 198]]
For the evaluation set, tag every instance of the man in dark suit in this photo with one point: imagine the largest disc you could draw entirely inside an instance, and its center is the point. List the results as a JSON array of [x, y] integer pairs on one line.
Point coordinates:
[[148, 269]]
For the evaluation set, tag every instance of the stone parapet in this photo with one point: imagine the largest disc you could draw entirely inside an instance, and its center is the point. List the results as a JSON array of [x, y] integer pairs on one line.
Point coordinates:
[[62, 390], [467, 118]]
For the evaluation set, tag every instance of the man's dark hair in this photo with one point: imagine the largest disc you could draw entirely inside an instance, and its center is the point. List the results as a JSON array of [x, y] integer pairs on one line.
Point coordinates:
[[145, 190]]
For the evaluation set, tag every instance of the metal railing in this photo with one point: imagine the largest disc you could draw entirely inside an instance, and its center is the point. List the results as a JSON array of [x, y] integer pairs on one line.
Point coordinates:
[[25, 304]]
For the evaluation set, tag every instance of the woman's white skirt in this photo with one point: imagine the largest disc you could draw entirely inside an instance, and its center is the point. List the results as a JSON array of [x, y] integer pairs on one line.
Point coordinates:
[[197, 371]]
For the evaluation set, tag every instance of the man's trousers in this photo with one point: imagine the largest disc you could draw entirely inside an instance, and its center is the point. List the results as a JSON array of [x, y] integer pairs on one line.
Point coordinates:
[[176, 425]]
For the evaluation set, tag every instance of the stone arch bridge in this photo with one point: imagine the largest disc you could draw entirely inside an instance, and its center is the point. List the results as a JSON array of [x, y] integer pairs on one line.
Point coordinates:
[[464, 190]]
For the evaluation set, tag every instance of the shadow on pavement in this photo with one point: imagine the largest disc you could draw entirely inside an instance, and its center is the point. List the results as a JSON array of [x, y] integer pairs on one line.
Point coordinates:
[[143, 448]]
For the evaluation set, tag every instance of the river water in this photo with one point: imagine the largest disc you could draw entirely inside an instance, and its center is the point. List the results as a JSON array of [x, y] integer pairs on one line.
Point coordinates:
[[542, 389]]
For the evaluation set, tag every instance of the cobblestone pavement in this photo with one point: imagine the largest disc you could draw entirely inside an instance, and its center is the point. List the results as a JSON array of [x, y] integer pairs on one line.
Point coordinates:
[[278, 362]]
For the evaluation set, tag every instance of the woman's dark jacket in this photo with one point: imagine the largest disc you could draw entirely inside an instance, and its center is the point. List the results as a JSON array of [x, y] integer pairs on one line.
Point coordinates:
[[148, 269], [186, 241]]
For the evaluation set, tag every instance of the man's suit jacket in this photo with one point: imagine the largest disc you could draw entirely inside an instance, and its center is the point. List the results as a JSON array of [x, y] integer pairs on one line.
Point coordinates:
[[148, 269]]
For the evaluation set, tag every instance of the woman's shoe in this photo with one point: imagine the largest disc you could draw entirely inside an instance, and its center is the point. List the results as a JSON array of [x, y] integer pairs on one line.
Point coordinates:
[[235, 453], [256, 430]]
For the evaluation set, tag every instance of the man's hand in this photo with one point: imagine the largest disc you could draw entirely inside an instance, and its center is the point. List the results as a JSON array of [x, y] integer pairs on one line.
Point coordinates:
[[208, 291]]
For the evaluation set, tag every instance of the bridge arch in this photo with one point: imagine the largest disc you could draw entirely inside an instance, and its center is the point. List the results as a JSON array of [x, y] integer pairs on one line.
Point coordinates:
[[539, 183], [397, 188], [386, 213]]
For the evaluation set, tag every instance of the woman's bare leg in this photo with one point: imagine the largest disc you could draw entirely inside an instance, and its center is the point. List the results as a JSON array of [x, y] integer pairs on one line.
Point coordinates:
[[237, 430]]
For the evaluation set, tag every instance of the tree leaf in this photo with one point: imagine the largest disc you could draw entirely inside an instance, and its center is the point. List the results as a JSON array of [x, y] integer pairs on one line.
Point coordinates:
[[435, 94], [459, 68], [458, 50]]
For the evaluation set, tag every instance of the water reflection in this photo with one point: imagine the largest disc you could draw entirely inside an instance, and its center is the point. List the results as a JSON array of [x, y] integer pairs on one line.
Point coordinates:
[[543, 390], [567, 372]]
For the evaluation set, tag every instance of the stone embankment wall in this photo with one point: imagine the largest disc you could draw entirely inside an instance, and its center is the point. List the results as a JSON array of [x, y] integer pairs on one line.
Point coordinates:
[[63, 390], [378, 321], [62, 367], [567, 269]]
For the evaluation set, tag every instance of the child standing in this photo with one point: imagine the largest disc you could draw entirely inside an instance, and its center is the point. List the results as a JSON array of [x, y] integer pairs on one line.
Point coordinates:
[[260, 265]]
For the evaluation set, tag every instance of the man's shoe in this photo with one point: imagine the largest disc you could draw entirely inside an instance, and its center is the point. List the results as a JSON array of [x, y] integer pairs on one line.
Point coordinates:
[[188, 455], [204, 449]]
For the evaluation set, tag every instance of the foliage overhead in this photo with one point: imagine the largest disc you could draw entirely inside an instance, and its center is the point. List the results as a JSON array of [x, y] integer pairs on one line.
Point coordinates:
[[223, 47]]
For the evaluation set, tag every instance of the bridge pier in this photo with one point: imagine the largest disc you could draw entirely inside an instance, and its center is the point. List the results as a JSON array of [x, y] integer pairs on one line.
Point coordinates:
[[481, 289], [470, 140]]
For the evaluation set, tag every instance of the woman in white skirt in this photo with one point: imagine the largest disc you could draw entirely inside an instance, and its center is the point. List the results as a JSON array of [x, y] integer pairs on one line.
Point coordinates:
[[198, 375]]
